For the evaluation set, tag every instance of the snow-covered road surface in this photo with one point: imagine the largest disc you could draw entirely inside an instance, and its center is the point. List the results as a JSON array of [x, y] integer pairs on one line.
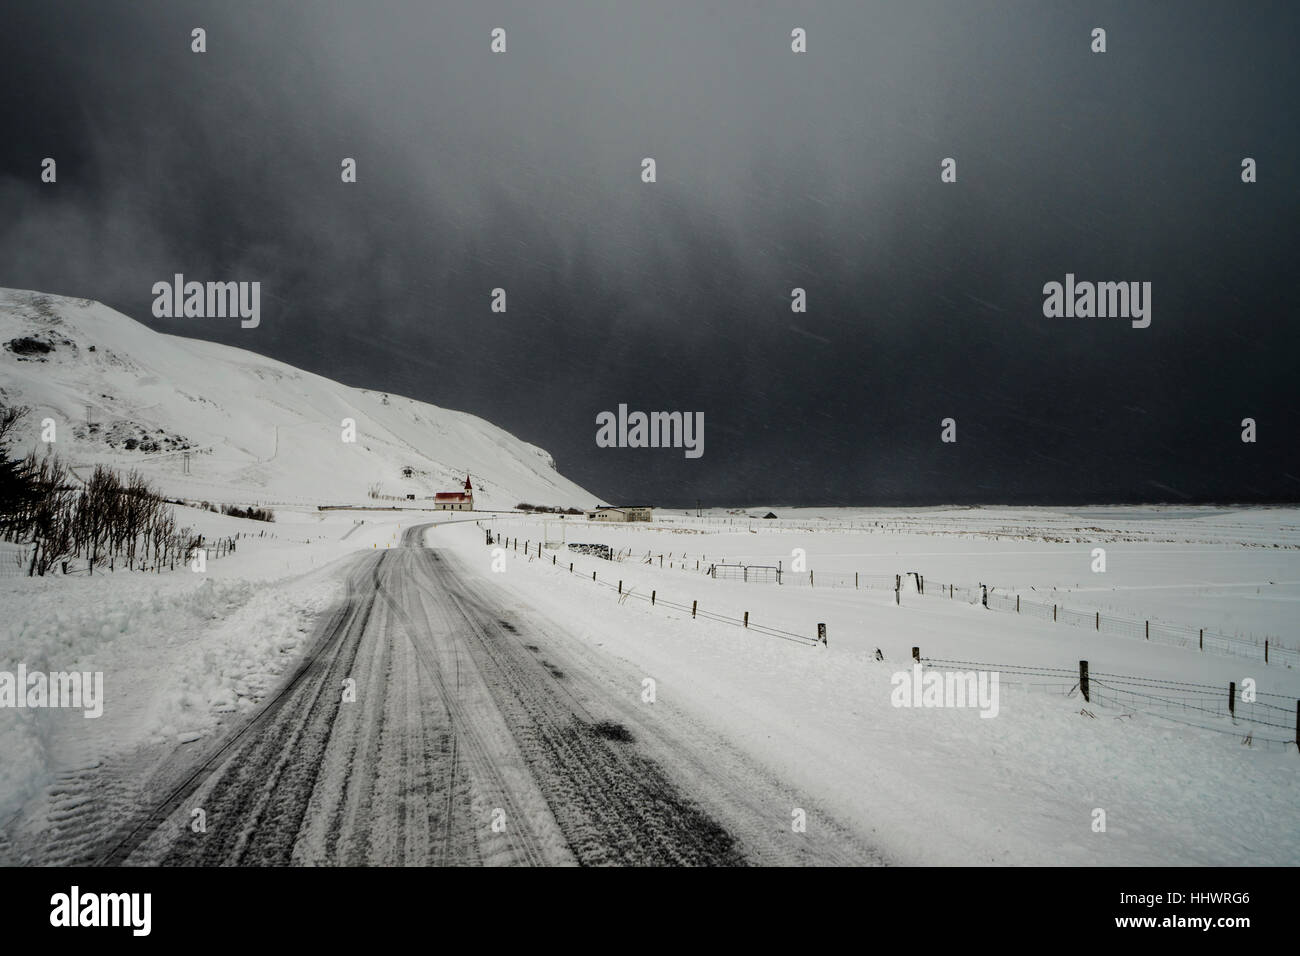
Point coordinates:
[[471, 740]]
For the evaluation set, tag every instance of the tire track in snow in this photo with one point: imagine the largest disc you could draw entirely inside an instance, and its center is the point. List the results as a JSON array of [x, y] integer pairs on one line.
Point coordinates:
[[455, 722]]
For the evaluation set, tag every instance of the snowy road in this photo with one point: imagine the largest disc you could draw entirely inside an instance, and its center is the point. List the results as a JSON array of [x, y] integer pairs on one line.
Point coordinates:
[[466, 744]]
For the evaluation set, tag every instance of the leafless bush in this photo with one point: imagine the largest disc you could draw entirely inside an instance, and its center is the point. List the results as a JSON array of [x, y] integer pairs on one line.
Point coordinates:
[[108, 520]]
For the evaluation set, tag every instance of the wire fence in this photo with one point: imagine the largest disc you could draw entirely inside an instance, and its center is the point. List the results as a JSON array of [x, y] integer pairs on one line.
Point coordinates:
[[1268, 650], [13, 562], [1205, 706], [1269, 721], [16, 562], [853, 580], [721, 569], [652, 598], [750, 573]]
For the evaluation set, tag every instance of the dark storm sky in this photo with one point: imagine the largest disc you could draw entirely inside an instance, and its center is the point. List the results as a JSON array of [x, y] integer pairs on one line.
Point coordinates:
[[776, 170]]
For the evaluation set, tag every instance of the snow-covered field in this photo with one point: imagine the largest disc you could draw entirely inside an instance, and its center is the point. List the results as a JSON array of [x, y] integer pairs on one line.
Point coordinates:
[[178, 650], [937, 785], [182, 652], [1235, 571]]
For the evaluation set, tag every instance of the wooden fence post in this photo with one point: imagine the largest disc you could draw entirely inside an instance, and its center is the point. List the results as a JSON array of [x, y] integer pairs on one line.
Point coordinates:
[[1053, 613], [652, 598], [1202, 638], [1084, 688], [570, 567], [916, 654], [620, 587], [593, 575], [1266, 650], [1232, 698], [1017, 603], [694, 605], [821, 633], [1099, 620], [855, 579], [1148, 630], [746, 619]]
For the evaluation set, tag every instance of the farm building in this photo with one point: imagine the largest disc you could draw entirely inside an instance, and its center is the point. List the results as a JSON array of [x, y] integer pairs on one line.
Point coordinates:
[[455, 500], [622, 513]]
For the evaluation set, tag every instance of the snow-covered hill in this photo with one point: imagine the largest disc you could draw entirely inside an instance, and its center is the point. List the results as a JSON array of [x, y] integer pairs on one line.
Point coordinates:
[[255, 429]]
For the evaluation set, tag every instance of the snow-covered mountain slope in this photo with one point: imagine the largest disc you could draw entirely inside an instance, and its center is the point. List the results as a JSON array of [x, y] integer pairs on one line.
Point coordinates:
[[255, 429]]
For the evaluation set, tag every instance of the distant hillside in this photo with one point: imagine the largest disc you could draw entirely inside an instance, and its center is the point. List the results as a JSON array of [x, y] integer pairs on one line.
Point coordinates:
[[255, 429]]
